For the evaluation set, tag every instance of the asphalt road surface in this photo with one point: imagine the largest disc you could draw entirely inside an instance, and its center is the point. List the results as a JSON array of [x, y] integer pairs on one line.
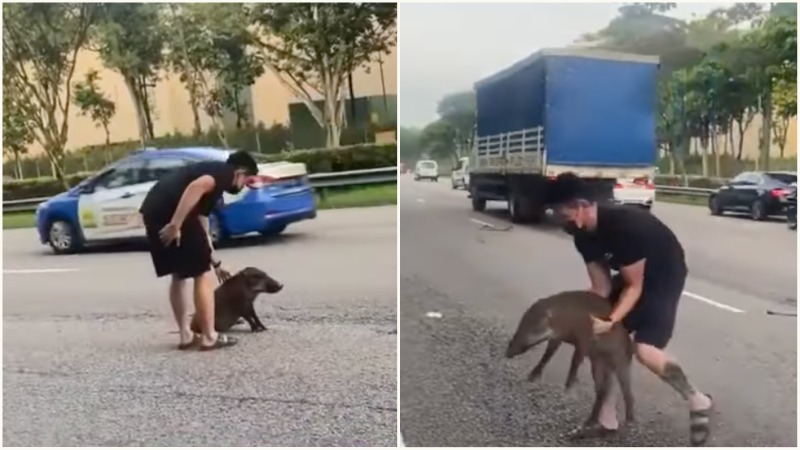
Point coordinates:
[[89, 356], [464, 287]]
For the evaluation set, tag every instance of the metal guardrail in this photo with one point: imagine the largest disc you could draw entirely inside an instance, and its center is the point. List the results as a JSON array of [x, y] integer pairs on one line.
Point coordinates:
[[317, 180], [681, 190]]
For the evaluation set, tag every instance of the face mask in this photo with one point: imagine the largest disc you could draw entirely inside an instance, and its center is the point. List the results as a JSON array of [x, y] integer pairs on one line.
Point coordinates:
[[571, 228]]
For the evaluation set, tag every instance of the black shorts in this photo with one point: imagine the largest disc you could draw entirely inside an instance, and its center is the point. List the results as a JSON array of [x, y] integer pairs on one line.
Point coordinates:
[[190, 259], [652, 320]]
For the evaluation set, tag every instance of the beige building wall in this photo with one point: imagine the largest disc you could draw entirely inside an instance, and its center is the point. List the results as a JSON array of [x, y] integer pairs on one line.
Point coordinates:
[[170, 99], [751, 140]]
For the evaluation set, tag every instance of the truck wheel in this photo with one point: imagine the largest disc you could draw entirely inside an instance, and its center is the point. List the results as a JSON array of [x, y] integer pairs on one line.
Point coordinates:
[[525, 210], [514, 209], [478, 204]]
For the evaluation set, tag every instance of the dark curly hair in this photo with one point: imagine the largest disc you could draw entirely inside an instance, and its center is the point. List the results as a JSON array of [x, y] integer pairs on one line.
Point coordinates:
[[243, 160], [568, 188]]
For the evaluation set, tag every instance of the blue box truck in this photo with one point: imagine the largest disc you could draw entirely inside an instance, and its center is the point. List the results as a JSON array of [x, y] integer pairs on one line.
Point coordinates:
[[585, 111]]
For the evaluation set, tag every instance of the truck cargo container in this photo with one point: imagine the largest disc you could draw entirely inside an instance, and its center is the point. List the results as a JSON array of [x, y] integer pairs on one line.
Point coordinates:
[[585, 111]]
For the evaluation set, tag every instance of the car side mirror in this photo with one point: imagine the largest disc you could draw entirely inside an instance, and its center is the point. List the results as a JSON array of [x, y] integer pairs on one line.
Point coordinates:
[[87, 188]]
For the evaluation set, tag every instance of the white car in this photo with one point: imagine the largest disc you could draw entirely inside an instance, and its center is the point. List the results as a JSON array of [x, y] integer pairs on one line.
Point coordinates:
[[460, 175], [638, 191], [427, 169]]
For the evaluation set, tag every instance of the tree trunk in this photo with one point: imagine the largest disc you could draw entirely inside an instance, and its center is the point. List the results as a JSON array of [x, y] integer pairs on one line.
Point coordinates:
[[671, 159], [715, 151], [704, 158], [783, 133], [108, 134], [238, 109], [198, 130], [56, 164], [18, 165], [730, 136], [146, 107], [742, 130], [223, 138], [333, 132], [766, 129], [130, 83]]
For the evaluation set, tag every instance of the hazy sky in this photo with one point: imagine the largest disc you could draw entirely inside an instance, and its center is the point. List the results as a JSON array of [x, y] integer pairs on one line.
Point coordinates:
[[445, 48]]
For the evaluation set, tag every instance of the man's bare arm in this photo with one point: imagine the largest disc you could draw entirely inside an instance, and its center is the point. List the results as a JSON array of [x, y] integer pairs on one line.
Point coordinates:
[[600, 277], [191, 196], [207, 228], [633, 275]]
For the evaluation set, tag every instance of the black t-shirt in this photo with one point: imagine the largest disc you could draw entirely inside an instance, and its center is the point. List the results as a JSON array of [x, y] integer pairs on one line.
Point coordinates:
[[625, 235], [163, 198]]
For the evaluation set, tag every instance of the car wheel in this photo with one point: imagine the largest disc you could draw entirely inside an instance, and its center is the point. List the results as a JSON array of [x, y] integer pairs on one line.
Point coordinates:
[[435, 179], [62, 238], [757, 210], [217, 230], [453, 183], [714, 206]]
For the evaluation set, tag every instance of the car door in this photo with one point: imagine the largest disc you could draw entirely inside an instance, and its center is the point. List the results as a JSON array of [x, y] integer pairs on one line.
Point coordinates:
[[726, 194], [733, 197], [749, 191], [110, 207]]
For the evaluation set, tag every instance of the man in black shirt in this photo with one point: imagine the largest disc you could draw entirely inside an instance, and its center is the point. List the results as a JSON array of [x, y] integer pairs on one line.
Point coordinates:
[[175, 214], [651, 274]]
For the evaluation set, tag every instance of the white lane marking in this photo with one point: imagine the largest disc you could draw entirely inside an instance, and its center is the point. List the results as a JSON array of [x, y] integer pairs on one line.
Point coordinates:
[[420, 200], [433, 315], [32, 271], [712, 302], [400, 442]]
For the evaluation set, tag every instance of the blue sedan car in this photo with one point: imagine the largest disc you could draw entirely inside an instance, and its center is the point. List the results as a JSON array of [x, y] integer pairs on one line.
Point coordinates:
[[105, 207]]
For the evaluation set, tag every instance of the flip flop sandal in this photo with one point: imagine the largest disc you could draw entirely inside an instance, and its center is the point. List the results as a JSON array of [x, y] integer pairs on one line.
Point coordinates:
[[222, 342], [700, 425], [188, 345], [591, 432]]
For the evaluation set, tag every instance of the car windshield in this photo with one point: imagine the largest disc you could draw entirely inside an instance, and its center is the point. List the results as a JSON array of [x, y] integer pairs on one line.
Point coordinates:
[[784, 177], [427, 164]]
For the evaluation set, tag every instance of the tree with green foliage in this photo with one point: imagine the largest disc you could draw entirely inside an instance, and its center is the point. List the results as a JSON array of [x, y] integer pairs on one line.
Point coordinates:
[[188, 50], [130, 38], [18, 131], [214, 53], [91, 101], [727, 67], [776, 42], [41, 42], [459, 110], [237, 63], [439, 140], [312, 47], [410, 147]]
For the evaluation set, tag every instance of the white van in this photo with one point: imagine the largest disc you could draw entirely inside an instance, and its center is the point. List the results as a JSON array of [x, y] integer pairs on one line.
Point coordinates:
[[460, 175], [426, 169]]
